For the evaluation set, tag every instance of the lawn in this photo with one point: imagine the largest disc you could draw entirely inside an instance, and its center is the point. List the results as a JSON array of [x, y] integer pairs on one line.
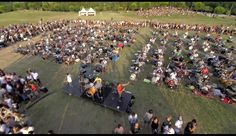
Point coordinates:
[[32, 16], [69, 114]]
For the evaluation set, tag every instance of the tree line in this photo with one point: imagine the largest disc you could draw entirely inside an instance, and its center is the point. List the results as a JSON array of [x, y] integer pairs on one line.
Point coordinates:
[[228, 8]]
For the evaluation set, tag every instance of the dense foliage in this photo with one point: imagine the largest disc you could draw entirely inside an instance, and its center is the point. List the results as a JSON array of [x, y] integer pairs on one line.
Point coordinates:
[[212, 7]]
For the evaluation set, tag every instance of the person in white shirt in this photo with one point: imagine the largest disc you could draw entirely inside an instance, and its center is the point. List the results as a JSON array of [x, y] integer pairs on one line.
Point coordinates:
[[178, 125], [69, 81], [29, 77], [8, 102], [166, 129], [9, 88], [170, 130], [173, 77], [133, 118], [3, 128], [35, 77], [27, 130], [2, 79]]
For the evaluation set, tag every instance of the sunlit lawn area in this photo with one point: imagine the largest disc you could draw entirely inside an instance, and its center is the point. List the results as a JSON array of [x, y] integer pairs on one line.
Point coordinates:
[[69, 114]]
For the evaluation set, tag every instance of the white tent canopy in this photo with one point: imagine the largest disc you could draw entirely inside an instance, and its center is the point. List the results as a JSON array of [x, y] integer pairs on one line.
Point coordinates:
[[90, 12], [83, 12]]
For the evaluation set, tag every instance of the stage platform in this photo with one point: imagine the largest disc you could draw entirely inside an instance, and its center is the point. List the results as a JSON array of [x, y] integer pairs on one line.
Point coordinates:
[[110, 97]]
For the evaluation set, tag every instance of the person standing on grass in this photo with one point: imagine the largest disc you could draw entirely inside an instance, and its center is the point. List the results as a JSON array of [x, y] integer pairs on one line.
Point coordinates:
[[69, 81], [178, 125], [120, 89], [35, 77], [148, 117], [170, 130], [191, 127], [155, 125], [119, 129], [165, 124], [135, 129], [133, 118]]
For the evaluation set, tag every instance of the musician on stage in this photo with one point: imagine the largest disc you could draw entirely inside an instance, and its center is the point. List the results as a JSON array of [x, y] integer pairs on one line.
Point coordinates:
[[98, 85], [120, 89]]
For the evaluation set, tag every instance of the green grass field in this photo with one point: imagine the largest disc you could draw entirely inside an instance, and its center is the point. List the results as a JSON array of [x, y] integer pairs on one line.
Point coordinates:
[[69, 114], [35, 16]]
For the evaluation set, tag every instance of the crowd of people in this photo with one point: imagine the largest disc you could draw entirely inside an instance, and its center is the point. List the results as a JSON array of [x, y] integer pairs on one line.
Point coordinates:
[[153, 123], [192, 59], [14, 90], [140, 59], [85, 41], [162, 11], [195, 27], [23, 32]]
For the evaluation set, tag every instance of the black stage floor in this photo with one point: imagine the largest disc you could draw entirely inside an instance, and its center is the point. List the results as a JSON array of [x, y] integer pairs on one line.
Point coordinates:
[[110, 97]]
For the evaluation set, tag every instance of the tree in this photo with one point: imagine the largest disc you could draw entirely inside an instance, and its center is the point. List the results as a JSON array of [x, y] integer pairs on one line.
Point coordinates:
[[231, 7], [2, 10], [72, 8], [34, 5], [45, 6], [219, 10], [18, 5], [212, 4], [145, 5], [198, 6], [120, 8], [164, 3], [178, 4], [208, 9], [133, 6]]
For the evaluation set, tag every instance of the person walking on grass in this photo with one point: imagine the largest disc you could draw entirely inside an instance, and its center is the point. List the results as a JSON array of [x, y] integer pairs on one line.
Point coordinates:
[[68, 79]]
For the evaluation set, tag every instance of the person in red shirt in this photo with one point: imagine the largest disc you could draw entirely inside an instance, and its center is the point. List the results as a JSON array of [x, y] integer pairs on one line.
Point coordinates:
[[120, 89], [204, 71], [33, 87]]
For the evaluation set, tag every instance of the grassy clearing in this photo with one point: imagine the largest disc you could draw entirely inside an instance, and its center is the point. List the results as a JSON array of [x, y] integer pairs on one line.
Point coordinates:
[[31, 16], [65, 114]]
